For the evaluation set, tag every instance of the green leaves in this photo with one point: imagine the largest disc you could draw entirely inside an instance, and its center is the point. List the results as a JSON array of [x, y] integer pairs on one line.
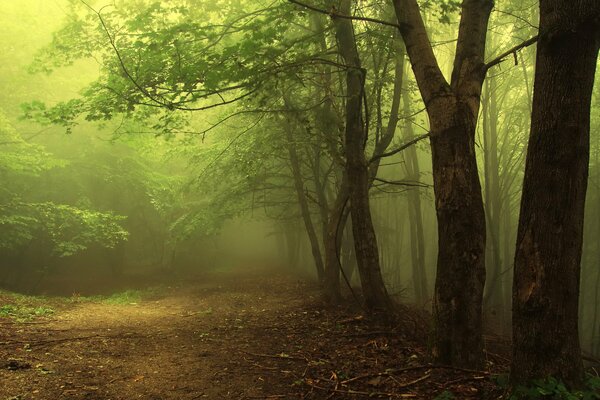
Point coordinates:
[[553, 388], [69, 229]]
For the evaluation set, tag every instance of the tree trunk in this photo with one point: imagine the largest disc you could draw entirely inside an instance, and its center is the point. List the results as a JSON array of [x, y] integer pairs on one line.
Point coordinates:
[[550, 234], [493, 299], [415, 215], [304, 207], [453, 110], [357, 169], [461, 236], [338, 216]]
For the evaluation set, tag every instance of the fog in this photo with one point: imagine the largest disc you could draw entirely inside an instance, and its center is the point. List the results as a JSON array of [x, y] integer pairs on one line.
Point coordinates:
[[112, 184]]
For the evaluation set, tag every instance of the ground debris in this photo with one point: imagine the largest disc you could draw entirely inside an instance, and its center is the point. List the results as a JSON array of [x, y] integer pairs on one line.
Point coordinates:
[[292, 346]]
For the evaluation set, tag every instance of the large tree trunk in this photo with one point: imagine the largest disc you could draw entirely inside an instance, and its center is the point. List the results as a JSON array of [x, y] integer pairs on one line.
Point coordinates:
[[461, 236], [357, 169], [453, 111], [549, 239]]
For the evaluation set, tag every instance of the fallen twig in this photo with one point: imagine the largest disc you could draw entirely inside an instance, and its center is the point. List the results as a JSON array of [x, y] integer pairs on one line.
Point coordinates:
[[361, 393], [275, 356]]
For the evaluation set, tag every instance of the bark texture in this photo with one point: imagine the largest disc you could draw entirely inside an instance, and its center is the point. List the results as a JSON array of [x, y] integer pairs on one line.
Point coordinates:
[[357, 168], [549, 239], [453, 110]]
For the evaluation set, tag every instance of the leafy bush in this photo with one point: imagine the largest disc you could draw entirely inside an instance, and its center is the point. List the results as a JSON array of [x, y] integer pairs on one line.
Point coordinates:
[[554, 389]]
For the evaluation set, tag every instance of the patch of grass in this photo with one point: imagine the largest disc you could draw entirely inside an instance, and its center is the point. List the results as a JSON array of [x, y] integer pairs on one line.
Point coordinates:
[[121, 298], [23, 308], [126, 297]]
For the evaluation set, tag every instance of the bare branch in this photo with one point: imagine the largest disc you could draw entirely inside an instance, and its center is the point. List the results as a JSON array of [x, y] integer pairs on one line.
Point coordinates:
[[401, 148], [333, 14], [512, 51], [403, 183]]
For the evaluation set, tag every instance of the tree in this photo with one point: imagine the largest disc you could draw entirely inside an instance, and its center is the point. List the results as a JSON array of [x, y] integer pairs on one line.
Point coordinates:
[[57, 229], [453, 109], [357, 168], [550, 234]]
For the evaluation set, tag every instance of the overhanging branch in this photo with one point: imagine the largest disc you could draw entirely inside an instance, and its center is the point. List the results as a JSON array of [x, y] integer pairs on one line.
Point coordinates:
[[401, 148], [507, 53], [333, 14]]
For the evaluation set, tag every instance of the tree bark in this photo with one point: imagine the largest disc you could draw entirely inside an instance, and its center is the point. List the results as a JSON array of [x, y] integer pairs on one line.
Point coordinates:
[[550, 234], [357, 169], [453, 110]]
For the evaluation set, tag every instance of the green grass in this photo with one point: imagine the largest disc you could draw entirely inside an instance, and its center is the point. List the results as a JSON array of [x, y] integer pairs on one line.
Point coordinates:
[[126, 297], [122, 298], [23, 308]]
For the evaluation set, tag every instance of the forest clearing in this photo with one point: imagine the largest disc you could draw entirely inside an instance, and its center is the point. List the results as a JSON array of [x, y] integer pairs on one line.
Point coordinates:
[[239, 334]]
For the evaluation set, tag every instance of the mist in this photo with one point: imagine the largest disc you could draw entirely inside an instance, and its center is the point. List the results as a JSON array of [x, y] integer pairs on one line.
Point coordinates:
[[298, 199]]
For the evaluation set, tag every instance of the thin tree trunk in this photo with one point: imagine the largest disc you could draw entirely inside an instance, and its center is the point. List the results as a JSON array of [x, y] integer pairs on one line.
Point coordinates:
[[415, 214], [357, 169], [304, 207], [338, 216], [493, 298]]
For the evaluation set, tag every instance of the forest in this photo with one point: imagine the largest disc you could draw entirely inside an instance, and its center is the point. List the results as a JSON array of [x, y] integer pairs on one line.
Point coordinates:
[[299, 199]]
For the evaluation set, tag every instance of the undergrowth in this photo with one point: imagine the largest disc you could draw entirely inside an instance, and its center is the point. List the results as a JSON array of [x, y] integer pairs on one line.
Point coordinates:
[[553, 389], [24, 308]]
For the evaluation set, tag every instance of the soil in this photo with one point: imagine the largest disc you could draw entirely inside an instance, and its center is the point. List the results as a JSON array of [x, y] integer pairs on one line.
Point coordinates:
[[227, 335]]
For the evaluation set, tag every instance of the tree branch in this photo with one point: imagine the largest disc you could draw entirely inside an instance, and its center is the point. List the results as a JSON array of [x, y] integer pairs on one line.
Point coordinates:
[[402, 183], [401, 148], [333, 14], [507, 53]]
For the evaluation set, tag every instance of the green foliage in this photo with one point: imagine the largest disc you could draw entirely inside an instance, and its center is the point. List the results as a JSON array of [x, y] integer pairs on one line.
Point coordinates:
[[198, 57], [443, 10], [23, 308], [67, 229], [24, 313], [127, 297], [20, 157], [553, 389]]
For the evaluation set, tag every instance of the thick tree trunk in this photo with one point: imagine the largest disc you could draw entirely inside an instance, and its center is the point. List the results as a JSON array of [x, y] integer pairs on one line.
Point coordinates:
[[357, 169], [549, 239], [461, 236], [453, 110]]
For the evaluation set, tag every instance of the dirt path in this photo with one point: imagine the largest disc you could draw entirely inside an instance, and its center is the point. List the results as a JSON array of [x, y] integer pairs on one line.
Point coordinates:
[[225, 336], [188, 344]]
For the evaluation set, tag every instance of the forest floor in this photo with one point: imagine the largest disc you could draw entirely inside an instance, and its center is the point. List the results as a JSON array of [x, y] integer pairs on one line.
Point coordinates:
[[225, 335]]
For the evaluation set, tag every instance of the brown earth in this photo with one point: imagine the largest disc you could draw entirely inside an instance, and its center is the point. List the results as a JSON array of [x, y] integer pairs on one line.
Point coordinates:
[[249, 335]]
